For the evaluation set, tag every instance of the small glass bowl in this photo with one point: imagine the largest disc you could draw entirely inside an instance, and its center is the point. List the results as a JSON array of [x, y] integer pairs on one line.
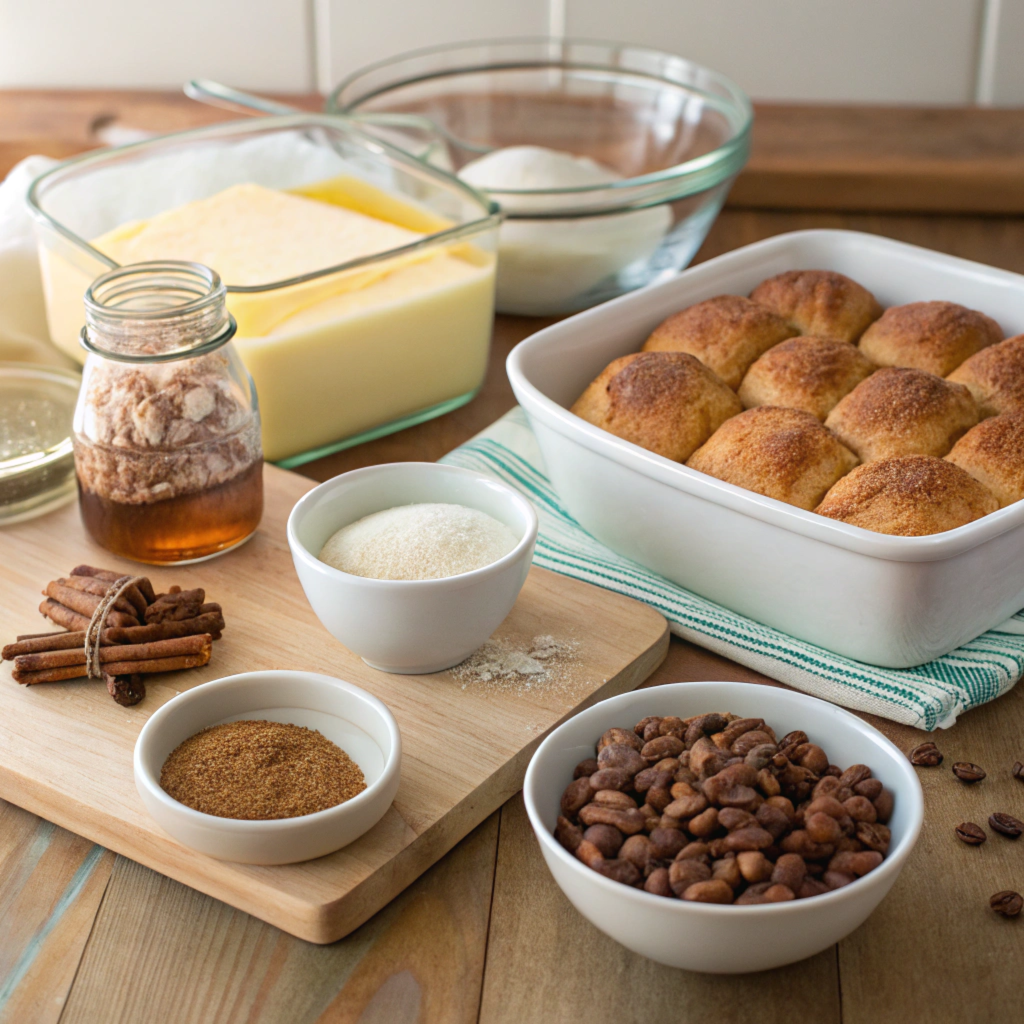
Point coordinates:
[[37, 464], [678, 133]]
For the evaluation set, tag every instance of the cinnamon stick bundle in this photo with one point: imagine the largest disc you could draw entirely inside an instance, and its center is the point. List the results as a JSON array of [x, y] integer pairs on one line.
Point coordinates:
[[134, 659], [142, 633]]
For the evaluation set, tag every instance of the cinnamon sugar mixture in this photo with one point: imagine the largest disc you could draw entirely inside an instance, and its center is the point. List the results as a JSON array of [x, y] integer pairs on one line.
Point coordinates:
[[186, 411], [258, 770]]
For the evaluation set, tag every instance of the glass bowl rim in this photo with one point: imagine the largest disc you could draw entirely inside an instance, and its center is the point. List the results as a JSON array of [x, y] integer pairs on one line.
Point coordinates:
[[723, 161], [35, 462], [490, 212]]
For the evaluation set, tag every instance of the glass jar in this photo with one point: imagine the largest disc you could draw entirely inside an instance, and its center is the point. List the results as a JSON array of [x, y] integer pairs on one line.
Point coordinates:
[[167, 426]]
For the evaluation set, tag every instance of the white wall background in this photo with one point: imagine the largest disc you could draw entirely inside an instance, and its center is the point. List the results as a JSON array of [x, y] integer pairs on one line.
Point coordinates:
[[888, 51]]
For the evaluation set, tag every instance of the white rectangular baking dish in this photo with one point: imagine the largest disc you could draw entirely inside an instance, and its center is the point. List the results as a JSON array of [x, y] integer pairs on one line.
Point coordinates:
[[891, 601]]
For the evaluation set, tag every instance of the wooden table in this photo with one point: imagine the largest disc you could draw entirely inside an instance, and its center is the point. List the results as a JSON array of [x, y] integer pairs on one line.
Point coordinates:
[[485, 935]]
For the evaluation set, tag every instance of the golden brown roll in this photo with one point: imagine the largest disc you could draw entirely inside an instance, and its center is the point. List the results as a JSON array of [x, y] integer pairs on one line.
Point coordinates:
[[932, 336], [901, 411], [996, 377], [993, 453], [781, 453], [805, 373], [819, 302], [908, 496], [667, 402], [726, 333]]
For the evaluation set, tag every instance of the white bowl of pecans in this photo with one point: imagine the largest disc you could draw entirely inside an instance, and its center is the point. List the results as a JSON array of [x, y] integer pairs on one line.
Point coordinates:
[[723, 827]]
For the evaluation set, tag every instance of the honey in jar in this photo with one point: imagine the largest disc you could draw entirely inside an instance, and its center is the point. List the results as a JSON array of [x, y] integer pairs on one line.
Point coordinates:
[[167, 430]]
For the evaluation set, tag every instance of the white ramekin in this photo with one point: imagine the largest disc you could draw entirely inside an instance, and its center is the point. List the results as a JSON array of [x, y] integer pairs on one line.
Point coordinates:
[[348, 716], [704, 936], [410, 626]]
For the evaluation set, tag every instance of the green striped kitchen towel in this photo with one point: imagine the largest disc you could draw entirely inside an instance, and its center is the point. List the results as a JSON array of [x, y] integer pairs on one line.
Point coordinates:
[[928, 697]]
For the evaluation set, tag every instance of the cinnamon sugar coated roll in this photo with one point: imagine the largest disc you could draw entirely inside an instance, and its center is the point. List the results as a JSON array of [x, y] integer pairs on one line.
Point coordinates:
[[993, 453], [781, 453], [908, 496], [805, 373], [995, 377], [819, 302], [901, 411], [932, 336], [726, 333], [667, 402]]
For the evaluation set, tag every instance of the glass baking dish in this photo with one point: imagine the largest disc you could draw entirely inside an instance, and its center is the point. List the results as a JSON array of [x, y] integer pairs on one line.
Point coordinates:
[[340, 355]]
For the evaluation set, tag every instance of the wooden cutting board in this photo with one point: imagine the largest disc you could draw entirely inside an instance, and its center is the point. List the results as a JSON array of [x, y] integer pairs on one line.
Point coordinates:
[[66, 748]]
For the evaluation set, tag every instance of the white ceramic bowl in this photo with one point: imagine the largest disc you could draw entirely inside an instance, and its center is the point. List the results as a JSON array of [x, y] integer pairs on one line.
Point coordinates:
[[704, 936], [410, 626], [915, 598], [348, 716]]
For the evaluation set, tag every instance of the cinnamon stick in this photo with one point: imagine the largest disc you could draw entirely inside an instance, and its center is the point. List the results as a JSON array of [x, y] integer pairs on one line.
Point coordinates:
[[62, 616], [184, 604], [126, 690], [115, 653], [118, 668], [209, 622], [85, 604], [134, 602], [47, 642], [145, 587]]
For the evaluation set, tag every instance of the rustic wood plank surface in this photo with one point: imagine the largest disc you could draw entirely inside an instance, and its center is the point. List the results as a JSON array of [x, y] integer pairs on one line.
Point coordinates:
[[932, 950], [51, 885], [803, 156], [161, 952]]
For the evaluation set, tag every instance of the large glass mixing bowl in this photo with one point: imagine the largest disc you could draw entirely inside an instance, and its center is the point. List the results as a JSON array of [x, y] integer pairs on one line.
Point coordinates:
[[677, 134]]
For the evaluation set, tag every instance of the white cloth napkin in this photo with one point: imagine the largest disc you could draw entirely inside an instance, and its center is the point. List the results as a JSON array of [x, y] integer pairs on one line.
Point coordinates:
[[23, 333]]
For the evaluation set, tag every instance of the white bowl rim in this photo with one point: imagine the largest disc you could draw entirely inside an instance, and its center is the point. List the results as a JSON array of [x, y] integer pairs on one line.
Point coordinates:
[[892, 864], [392, 761], [310, 498]]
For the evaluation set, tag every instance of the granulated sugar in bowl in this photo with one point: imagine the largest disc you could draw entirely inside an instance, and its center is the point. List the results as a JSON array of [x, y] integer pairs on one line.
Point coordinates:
[[419, 542]]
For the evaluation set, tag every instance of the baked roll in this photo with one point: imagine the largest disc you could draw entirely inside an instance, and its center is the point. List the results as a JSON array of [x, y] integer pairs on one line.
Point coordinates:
[[995, 377], [993, 453], [932, 336], [805, 373], [781, 453], [726, 333], [902, 411], [819, 302], [908, 496], [667, 402]]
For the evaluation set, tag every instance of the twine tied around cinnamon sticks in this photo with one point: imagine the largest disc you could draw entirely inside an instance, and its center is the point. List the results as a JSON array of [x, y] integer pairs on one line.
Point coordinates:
[[94, 631]]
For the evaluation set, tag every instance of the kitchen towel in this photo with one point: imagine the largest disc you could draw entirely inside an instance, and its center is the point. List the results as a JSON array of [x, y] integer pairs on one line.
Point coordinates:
[[928, 697], [23, 333]]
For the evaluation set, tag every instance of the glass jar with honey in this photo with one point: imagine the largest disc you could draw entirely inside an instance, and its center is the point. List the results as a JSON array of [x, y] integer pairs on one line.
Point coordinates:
[[167, 426]]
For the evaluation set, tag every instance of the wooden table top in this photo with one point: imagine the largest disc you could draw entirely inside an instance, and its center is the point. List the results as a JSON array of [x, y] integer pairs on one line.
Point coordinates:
[[485, 935]]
